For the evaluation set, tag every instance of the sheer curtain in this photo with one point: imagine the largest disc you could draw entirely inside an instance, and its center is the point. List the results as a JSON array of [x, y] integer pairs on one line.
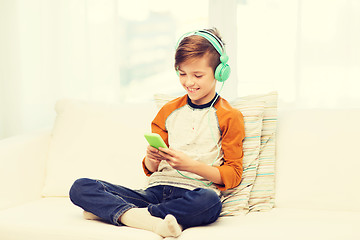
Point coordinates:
[[51, 50]]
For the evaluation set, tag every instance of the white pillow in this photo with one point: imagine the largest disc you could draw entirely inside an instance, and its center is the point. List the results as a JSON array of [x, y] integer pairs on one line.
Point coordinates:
[[100, 141]]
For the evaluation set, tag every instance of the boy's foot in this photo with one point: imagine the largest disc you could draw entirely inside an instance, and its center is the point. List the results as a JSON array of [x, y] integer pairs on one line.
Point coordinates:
[[142, 219], [168, 227]]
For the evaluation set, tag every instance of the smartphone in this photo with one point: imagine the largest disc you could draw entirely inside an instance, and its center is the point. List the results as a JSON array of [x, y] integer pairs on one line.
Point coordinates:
[[155, 140]]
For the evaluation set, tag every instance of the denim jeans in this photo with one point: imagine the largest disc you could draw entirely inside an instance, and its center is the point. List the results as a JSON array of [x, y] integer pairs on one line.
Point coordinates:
[[108, 201]]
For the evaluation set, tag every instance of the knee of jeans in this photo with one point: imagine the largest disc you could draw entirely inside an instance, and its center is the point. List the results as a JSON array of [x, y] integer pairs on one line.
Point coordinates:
[[207, 198], [79, 187]]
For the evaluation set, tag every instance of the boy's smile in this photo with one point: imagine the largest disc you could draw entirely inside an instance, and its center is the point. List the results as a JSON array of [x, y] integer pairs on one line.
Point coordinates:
[[192, 90], [197, 78]]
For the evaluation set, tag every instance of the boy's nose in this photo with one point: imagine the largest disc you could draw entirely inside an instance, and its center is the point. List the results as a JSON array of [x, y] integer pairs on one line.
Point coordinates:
[[189, 82]]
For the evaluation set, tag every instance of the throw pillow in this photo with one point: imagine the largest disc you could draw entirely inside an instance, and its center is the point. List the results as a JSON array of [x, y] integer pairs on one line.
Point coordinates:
[[236, 200], [100, 141], [262, 196]]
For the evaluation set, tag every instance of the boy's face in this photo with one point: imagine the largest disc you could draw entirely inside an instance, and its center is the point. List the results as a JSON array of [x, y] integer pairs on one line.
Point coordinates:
[[197, 77]]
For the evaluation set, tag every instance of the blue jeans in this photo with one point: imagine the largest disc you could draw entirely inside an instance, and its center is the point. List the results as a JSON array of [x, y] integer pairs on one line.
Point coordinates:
[[108, 201]]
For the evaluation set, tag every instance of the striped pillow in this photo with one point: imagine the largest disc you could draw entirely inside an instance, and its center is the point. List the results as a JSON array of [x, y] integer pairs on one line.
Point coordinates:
[[262, 196], [236, 200]]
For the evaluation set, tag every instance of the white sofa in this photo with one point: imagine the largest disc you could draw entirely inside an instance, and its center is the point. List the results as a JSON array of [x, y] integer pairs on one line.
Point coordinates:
[[317, 181]]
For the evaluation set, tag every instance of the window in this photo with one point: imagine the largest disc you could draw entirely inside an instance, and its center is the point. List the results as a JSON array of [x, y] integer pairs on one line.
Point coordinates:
[[308, 50], [149, 32], [267, 32]]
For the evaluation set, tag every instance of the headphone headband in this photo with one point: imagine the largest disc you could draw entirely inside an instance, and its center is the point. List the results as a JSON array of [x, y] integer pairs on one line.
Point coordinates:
[[212, 38]]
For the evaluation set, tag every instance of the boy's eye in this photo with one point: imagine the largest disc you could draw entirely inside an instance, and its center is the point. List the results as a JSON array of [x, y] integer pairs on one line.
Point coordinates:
[[182, 74], [198, 76]]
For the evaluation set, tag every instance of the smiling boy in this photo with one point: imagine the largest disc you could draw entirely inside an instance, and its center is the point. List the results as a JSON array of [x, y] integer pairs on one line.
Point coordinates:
[[204, 134]]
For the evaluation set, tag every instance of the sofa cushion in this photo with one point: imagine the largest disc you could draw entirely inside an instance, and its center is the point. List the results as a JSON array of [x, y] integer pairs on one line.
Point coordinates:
[[280, 224], [59, 219], [317, 161], [94, 140]]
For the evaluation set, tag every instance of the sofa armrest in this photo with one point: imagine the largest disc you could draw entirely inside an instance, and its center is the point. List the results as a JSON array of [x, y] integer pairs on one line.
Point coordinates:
[[22, 171]]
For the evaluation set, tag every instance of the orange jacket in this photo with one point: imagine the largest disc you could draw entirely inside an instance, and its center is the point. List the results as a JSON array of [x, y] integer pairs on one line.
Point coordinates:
[[230, 130]]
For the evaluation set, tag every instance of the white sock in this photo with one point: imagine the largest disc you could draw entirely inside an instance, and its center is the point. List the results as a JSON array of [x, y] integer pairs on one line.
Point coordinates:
[[90, 216], [142, 219]]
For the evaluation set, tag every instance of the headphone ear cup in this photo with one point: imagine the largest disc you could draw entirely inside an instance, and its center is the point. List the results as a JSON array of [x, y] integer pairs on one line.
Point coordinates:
[[222, 72]]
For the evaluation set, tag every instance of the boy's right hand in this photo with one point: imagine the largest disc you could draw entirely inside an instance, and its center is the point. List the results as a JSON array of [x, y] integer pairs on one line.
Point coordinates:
[[152, 158]]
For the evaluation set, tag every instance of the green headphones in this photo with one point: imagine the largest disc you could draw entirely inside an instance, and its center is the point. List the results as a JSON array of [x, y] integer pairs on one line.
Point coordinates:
[[222, 71]]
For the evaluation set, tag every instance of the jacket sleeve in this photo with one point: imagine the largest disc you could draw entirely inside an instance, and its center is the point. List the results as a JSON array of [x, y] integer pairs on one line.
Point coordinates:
[[233, 134]]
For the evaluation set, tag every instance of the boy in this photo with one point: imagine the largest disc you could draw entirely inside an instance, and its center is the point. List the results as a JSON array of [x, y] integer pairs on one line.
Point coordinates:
[[204, 134]]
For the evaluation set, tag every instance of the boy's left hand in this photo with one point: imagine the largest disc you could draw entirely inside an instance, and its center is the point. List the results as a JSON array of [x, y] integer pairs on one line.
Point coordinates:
[[177, 159]]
